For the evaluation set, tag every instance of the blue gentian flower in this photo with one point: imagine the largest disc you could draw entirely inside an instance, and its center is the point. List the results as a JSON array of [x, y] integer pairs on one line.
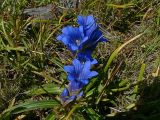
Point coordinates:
[[67, 98], [94, 34], [73, 37], [87, 35], [91, 29], [78, 75], [88, 23], [80, 72]]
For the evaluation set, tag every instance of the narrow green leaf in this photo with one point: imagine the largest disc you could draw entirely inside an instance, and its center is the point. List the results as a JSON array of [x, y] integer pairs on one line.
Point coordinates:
[[44, 89], [8, 48], [120, 6], [71, 111], [90, 85], [123, 83], [32, 66], [90, 92], [57, 62], [51, 116], [32, 105], [140, 77], [8, 37], [130, 106], [92, 114]]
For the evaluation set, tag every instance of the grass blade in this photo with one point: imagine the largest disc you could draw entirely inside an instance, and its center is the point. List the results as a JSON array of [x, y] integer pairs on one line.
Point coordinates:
[[44, 89], [31, 105]]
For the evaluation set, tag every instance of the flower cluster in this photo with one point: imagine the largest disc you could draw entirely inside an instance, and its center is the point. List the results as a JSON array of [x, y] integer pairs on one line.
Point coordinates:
[[81, 41]]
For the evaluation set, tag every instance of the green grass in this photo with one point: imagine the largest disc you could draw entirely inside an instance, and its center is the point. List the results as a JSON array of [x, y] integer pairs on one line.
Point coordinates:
[[31, 62]]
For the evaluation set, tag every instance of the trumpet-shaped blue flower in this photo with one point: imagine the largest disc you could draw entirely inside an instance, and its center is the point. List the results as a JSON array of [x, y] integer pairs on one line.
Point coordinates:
[[80, 72], [86, 36], [73, 37], [67, 98], [88, 23], [91, 30], [78, 75]]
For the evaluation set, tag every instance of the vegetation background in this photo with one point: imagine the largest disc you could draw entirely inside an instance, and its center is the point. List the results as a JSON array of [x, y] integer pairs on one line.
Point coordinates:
[[32, 60]]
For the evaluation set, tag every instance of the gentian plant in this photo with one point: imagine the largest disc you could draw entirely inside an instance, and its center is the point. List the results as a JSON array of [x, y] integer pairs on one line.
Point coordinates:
[[81, 41]]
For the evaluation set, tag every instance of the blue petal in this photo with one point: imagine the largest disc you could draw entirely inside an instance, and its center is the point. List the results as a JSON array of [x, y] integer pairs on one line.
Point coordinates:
[[80, 95], [85, 20], [67, 30], [65, 92], [70, 99], [70, 77], [92, 74], [87, 66], [77, 66], [81, 30], [85, 81], [64, 95], [74, 47], [69, 68], [59, 37], [88, 23], [103, 39], [76, 62], [94, 61], [83, 77], [74, 86], [80, 20], [63, 38]]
